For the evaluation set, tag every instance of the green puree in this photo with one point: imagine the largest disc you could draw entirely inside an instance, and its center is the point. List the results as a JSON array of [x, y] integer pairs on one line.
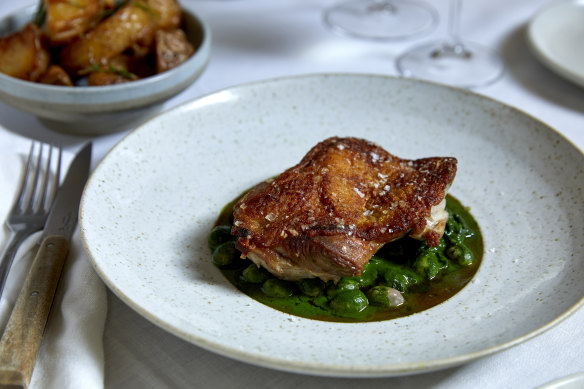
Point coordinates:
[[424, 276]]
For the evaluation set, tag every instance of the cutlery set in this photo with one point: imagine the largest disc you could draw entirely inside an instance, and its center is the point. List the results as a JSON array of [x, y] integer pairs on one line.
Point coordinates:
[[42, 204]]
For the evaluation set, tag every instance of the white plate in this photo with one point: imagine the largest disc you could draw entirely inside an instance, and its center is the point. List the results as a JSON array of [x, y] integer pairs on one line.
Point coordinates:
[[149, 206], [574, 381], [556, 36]]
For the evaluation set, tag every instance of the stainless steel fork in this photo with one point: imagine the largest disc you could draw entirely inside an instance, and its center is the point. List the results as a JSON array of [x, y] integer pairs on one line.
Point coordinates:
[[31, 208]]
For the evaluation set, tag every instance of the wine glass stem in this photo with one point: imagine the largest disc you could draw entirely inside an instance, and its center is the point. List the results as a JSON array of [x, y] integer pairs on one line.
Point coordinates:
[[382, 6], [455, 44], [454, 20]]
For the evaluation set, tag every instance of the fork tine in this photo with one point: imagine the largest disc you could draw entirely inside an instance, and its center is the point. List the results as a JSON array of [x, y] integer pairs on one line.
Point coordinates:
[[45, 180], [37, 190], [33, 199], [49, 188], [23, 192]]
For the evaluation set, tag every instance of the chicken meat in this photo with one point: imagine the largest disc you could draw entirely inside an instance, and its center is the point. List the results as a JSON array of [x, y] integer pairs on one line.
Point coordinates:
[[327, 216]]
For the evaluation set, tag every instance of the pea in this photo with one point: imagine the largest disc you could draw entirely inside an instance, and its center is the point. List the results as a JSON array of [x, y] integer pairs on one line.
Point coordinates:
[[254, 274], [349, 301], [460, 253], [385, 296], [311, 286], [275, 287], [225, 254], [219, 235]]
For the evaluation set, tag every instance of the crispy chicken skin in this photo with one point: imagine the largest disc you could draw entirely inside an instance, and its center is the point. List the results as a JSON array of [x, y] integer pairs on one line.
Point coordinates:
[[328, 215]]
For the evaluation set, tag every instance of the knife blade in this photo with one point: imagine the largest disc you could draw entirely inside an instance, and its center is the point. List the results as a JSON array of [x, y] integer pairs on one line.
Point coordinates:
[[24, 331]]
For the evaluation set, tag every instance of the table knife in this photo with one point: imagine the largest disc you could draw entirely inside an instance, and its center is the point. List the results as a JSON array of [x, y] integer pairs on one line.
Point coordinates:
[[24, 331]]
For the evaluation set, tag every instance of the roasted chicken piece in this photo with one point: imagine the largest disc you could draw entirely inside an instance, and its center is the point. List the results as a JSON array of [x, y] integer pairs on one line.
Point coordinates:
[[328, 215]]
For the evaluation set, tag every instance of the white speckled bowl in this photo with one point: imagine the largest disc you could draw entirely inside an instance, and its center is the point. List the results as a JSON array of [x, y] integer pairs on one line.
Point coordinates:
[[104, 109], [149, 206]]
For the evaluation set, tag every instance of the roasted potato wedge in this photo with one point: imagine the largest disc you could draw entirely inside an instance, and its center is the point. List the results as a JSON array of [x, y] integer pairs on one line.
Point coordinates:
[[109, 4], [133, 65], [167, 13], [130, 24], [23, 54], [67, 19], [131, 39], [105, 78], [55, 75], [172, 49]]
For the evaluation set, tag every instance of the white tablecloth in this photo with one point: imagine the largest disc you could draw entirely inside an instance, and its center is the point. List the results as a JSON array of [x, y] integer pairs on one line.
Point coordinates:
[[259, 39]]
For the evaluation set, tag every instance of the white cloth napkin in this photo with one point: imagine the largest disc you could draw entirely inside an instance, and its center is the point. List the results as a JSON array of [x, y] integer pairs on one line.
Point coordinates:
[[71, 355]]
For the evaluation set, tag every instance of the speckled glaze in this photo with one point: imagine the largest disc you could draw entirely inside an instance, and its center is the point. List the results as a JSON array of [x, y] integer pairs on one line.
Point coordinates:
[[148, 208], [104, 109]]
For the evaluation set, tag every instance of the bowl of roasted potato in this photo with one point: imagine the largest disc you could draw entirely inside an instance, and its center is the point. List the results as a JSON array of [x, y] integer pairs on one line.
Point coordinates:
[[94, 67]]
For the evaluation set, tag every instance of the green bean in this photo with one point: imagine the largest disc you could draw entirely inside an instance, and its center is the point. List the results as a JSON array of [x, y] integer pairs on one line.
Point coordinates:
[[219, 235]]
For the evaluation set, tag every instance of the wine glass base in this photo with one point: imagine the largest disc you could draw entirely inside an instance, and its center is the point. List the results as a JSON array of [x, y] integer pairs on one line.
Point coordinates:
[[466, 65], [381, 19]]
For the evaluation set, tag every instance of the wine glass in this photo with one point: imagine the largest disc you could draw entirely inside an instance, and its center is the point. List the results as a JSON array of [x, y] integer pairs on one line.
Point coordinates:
[[381, 19], [453, 61]]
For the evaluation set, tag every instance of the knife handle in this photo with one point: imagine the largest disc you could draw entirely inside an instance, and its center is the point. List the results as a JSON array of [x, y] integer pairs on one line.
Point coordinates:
[[23, 335]]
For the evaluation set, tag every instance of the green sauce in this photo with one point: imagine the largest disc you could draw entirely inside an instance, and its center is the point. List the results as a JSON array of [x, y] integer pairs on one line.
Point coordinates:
[[425, 276]]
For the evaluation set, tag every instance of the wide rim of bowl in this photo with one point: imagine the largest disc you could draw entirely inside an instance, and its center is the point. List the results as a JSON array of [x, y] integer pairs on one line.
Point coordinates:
[[142, 92]]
